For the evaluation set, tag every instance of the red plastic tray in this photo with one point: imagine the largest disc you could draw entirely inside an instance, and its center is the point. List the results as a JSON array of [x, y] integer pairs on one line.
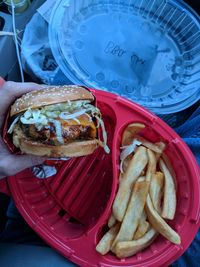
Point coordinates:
[[70, 210]]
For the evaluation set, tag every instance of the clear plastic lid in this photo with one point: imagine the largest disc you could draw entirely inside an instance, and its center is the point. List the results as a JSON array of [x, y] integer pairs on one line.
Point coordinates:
[[147, 51]]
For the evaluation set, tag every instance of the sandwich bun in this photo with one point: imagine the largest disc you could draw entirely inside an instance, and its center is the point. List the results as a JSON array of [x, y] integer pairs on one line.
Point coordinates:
[[74, 149], [48, 96], [37, 100]]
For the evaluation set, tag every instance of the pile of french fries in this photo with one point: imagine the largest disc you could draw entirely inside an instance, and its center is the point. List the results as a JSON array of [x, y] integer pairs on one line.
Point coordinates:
[[146, 197]]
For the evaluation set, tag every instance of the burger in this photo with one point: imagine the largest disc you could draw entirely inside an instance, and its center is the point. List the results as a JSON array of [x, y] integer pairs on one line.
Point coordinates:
[[57, 122]]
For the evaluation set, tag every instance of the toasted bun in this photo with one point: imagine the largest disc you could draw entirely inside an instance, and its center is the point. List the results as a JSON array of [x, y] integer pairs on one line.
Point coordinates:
[[74, 149], [49, 96]]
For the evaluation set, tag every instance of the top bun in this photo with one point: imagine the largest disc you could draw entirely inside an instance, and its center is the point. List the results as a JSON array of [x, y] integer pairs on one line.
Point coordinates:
[[48, 96]]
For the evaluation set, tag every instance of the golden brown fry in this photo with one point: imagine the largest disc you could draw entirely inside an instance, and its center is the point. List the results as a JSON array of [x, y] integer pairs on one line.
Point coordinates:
[[130, 131], [136, 166], [141, 230], [158, 155], [142, 227], [112, 221], [155, 147], [143, 216], [159, 224], [133, 213], [168, 163], [162, 147], [141, 179], [105, 243], [156, 190], [169, 201], [151, 167], [126, 163], [130, 248]]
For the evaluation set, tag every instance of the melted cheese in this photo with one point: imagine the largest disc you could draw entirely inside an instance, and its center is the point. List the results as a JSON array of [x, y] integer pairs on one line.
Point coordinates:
[[83, 120]]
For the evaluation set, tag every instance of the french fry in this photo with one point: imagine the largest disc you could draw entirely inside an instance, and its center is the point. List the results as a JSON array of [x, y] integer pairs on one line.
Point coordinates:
[[112, 221], [151, 167], [136, 166], [155, 147], [143, 173], [105, 243], [170, 168], [141, 230], [133, 213], [162, 148], [141, 179], [156, 190], [143, 216], [143, 224], [125, 164], [130, 131], [146, 183], [158, 155], [169, 201], [130, 248], [159, 224]]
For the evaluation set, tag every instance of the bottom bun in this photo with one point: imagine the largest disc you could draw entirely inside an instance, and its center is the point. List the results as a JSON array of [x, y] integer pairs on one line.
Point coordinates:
[[74, 149]]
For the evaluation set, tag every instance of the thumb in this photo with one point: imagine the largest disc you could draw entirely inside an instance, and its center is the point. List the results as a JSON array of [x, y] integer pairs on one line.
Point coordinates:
[[16, 164]]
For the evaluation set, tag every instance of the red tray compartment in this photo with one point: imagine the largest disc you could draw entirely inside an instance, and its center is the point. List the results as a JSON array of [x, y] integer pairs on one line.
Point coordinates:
[[70, 210]]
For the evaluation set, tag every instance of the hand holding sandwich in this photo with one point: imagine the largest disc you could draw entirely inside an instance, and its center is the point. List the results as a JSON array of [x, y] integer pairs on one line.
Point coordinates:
[[11, 164], [53, 122]]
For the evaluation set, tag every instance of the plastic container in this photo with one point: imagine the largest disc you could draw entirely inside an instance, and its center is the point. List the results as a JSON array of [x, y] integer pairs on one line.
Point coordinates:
[[147, 51], [19, 5], [70, 210]]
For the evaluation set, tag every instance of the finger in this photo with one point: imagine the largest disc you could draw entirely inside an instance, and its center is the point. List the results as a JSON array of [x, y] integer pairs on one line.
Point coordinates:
[[2, 81], [11, 90], [17, 164]]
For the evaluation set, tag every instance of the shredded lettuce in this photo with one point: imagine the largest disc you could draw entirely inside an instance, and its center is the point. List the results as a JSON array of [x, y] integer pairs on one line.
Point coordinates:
[[66, 111], [127, 150], [101, 123], [58, 128], [69, 106], [28, 114], [12, 126], [67, 116], [36, 118]]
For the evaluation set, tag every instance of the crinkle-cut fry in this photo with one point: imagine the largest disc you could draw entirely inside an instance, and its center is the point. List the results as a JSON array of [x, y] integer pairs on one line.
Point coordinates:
[[112, 221], [156, 190], [129, 248], [157, 147], [136, 166], [159, 224], [133, 213], [130, 131], [151, 167], [169, 199], [105, 243]]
